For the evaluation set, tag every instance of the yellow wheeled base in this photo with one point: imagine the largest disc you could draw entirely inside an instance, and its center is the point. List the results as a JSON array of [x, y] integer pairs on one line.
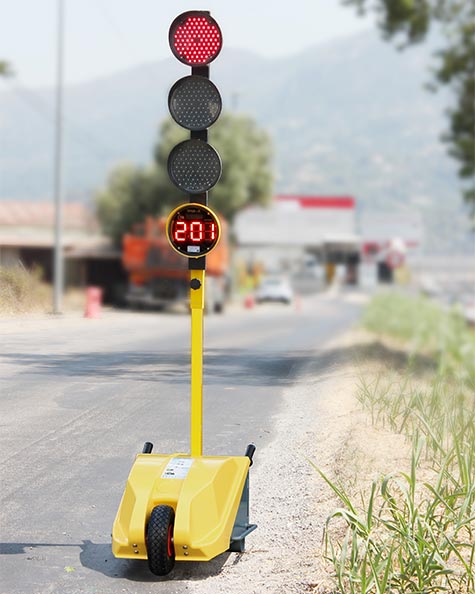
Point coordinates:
[[204, 492]]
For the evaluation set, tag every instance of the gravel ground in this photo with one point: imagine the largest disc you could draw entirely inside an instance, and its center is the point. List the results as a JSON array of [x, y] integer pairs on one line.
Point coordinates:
[[289, 501]]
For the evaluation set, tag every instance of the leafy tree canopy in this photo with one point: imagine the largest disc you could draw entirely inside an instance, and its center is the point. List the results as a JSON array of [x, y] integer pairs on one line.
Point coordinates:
[[132, 193], [411, 20]]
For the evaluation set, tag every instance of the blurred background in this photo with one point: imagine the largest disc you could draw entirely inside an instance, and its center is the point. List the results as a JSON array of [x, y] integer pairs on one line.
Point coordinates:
[[346, 138]]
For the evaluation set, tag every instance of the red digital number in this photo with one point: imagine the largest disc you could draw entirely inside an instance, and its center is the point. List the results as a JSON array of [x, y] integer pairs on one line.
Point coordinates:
[[179, 234], [196, 231], [210, 231]]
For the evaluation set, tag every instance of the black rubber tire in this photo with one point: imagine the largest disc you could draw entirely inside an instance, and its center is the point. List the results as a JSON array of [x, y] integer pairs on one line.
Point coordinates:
[[160, 549]]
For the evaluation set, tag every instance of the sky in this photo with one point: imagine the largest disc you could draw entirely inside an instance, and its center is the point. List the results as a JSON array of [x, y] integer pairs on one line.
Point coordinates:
[[106, 36]]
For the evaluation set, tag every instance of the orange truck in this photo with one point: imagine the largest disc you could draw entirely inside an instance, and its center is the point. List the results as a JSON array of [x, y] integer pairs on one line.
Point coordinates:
[[159, 277]]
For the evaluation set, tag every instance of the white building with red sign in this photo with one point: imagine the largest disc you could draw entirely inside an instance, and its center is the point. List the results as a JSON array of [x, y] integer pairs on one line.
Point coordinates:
[[295, 228]]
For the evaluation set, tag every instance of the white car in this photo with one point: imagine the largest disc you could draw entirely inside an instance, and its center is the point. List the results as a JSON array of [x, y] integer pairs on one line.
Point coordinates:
[[274, 289]]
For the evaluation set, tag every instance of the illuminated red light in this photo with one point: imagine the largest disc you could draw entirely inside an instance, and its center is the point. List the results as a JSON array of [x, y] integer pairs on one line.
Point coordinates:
[[195, 38], [180, 231], [210, 231], [194, 231]]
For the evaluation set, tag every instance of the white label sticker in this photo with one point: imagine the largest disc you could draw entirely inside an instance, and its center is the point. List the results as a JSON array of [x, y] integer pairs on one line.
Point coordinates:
[[194, 249], [177, 468]]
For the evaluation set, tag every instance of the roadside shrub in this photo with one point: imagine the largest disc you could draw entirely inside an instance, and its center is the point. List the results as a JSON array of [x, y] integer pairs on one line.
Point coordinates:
[[415, 531], [21, 289]]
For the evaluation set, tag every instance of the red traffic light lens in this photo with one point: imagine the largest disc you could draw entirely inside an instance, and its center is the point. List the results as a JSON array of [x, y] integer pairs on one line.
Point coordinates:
[[195, 38], [193, 230]]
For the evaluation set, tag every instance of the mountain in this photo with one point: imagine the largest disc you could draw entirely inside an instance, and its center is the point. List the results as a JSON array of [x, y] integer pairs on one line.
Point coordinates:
[[351, 116]]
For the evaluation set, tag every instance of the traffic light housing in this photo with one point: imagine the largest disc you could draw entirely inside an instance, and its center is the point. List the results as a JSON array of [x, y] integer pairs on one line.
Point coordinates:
[[193, 230], [194, 166]]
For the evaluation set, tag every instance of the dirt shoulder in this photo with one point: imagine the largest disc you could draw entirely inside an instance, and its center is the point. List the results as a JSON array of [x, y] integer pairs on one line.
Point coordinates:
[[321, 421]]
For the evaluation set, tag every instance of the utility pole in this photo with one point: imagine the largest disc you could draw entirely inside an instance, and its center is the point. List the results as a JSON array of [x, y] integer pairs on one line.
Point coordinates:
[[58, 269]]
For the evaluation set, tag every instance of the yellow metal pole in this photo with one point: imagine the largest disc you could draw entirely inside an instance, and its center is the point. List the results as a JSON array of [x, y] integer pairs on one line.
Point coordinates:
[[197, 280]]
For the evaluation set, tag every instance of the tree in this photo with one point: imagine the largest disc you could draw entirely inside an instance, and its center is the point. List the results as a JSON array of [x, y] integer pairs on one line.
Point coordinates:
[[412, 20], [132, 192]]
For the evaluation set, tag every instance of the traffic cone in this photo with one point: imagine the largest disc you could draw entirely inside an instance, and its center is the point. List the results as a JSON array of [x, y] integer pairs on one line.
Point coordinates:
[[93, 302], [249, 301]]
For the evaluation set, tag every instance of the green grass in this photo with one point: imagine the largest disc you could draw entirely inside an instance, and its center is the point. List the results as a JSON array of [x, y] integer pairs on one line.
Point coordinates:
[[424, 327], [415, 530]]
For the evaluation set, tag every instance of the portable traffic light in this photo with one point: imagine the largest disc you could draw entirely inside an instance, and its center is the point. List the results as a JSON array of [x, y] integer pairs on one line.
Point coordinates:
[[189, 507]]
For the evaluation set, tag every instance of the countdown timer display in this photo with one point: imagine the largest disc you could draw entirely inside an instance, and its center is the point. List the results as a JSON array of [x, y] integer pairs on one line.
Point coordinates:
[[193, 230]]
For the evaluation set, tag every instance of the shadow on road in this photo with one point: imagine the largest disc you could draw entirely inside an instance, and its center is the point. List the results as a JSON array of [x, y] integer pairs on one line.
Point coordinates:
[[253, 368], [98, 557], [248, 367]]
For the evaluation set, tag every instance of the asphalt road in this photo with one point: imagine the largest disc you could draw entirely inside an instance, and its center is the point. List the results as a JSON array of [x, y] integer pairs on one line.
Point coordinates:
[[78, 399]]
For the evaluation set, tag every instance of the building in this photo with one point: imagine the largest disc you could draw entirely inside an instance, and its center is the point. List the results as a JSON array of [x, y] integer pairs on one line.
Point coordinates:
[[296, 230], [27, 239]]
